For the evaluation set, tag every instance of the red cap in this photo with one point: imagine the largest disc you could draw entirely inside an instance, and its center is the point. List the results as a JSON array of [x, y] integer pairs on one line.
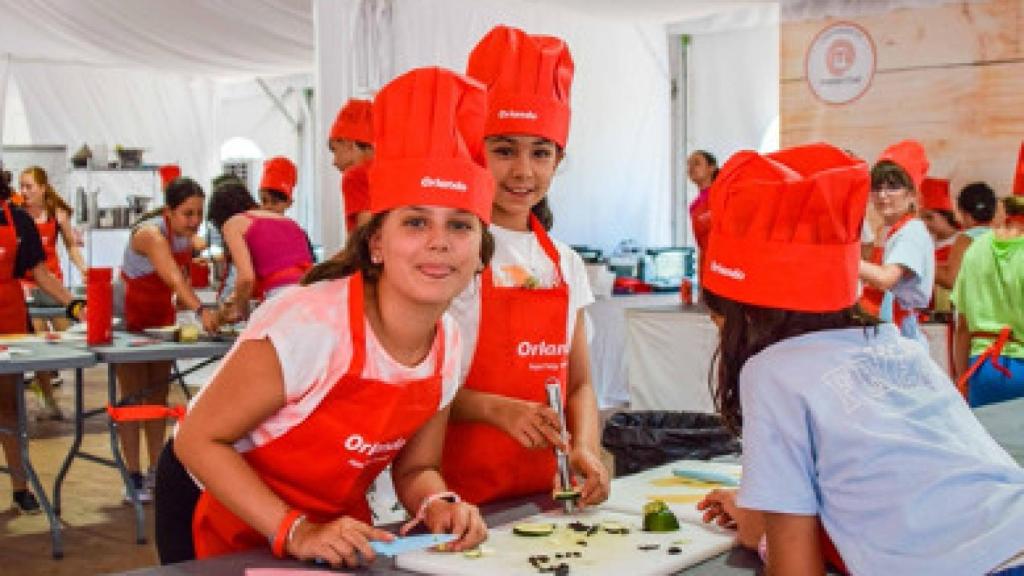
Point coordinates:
[[909, 155], [528, 80], [785, 228], [279, 174], [168, 173], [354, 122], [428, 133], [355, 190], [1018, 179], [935, 194]]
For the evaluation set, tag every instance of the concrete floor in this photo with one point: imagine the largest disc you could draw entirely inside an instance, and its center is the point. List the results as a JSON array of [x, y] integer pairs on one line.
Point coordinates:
[[98, 527]]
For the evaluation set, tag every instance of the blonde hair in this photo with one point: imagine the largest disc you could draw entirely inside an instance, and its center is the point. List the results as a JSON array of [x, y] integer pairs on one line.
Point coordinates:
[[52, 202]]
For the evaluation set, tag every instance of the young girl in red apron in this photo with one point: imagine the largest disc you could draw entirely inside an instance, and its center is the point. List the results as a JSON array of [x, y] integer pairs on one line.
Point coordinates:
[[21, 254], [155, 285], [53, 218], [333, 380], [899, 276], [524, 320], [846, 425]]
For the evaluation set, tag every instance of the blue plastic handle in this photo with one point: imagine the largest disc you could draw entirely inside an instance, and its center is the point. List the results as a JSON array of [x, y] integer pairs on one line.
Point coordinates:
[[410, 543], [707, 476]]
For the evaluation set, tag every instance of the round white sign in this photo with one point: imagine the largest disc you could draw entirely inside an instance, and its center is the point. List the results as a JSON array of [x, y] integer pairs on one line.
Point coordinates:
[[840, 63]]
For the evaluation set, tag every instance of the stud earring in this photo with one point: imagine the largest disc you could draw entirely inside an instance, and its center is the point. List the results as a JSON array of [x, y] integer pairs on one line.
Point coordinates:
[[376, 259]]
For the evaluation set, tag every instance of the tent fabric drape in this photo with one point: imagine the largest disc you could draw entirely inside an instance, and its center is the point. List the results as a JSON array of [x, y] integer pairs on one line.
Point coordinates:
[[4, 66], [227, 38]]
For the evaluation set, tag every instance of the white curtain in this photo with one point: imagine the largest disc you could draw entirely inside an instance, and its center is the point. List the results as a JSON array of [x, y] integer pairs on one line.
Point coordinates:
[[615, 182], [223, 38], [171, 116]]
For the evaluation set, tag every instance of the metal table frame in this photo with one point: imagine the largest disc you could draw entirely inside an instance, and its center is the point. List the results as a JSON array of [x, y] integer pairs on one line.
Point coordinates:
[[44, 357], [123, 351]]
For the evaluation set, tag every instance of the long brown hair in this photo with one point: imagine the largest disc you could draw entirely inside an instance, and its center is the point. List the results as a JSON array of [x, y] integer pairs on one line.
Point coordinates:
[[52, 202], [355, 256], [749, 329], [175, 194]]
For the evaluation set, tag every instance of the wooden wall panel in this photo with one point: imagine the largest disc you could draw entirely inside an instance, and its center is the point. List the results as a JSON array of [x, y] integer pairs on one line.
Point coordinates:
[[950, 76]]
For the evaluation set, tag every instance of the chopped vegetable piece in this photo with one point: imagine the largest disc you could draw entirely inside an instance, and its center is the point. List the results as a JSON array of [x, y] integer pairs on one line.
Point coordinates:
[[615, 528], [532, 529], [473, 553], [647, 547], [675, 550], [659, 518], [561, 495]]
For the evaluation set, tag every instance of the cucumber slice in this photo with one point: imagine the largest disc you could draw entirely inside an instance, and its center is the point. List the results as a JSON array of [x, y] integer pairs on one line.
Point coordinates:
[[533, 529], [473, 553], [561, 495], [614, 528]]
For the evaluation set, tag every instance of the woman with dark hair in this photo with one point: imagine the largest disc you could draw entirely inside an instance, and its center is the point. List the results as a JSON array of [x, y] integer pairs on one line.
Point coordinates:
[[976, 207], [702, 168], [524, 320], [21, 255], [989, 299], [846, 425], [899, 276], [333, 380], [268, 251], [936, 211], [153, 285]]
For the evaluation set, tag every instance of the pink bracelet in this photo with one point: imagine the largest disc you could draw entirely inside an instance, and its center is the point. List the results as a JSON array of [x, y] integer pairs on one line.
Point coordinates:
[[421, 513], [762, 548]]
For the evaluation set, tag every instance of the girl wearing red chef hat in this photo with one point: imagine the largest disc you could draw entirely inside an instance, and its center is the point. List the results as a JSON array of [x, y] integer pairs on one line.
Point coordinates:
[[845, 424], [899, 276], [351, 143], [332, 381], [524, 320]]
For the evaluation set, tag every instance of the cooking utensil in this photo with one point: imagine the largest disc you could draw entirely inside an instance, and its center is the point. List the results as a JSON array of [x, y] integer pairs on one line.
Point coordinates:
[[554, 391]]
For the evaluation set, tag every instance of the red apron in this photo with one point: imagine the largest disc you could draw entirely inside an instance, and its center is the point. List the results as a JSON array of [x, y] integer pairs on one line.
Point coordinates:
[[871, 298], [700, 221], [48, 235], [148, 300], [324, 465], [13, 312], [521, 344]]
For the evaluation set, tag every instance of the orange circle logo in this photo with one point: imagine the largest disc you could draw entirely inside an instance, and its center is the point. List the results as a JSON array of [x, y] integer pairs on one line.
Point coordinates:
[[840, 57]]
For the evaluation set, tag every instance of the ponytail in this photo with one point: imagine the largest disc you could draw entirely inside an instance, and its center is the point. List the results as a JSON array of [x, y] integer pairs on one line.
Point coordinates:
[[52, 201]]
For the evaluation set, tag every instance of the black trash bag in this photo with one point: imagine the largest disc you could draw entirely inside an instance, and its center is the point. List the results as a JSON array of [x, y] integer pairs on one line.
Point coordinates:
[[645, 439]]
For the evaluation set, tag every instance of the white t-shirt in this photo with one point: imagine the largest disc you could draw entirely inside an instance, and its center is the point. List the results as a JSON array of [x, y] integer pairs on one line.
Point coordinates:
[[912, 247], [518, 256], [868, 433], [309, 329]]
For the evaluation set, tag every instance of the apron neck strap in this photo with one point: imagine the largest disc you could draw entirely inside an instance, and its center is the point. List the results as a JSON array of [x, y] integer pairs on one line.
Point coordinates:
[[357, 327]]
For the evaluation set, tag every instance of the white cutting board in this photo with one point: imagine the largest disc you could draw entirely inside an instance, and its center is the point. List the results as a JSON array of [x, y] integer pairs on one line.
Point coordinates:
[[506, 554], [630, 493]]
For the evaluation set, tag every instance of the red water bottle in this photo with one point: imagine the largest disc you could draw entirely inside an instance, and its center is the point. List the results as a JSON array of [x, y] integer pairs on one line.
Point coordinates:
[[199, 274], [99, 310], [686, 292]]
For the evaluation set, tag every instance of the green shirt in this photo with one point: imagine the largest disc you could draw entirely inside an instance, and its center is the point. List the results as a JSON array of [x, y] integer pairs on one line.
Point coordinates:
[[989, 291]]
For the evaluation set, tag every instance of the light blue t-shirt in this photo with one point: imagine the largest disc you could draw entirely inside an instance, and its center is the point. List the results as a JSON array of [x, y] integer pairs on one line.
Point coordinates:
[[912, 247], [868, 433]]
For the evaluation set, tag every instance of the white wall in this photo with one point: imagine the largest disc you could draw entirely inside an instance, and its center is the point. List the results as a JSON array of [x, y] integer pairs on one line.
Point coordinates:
[[615, 182]]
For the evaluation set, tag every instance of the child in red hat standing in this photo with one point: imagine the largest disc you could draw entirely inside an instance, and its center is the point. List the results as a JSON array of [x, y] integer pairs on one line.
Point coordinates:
[[351, 143], [524, 321], [332, 381], [845, 424], [899, 276]]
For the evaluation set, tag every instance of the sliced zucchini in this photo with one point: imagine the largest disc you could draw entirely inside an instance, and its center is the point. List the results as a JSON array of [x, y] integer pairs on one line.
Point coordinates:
[[533, 529], [473, 553], [561, 495], [658, 517], [614, 528]]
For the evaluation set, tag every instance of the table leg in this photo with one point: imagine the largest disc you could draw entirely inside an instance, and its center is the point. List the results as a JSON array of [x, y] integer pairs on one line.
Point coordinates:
[[76, 443], [30, 472], [115, 449]]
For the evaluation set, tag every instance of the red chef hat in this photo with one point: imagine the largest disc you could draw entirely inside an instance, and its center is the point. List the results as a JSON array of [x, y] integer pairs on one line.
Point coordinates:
[[355, 190], [1018, 179], [279, 174], [935, 194], [528, 80], [428, 137], [909, 155], [168, 173], [785, 230], [354, 122]]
